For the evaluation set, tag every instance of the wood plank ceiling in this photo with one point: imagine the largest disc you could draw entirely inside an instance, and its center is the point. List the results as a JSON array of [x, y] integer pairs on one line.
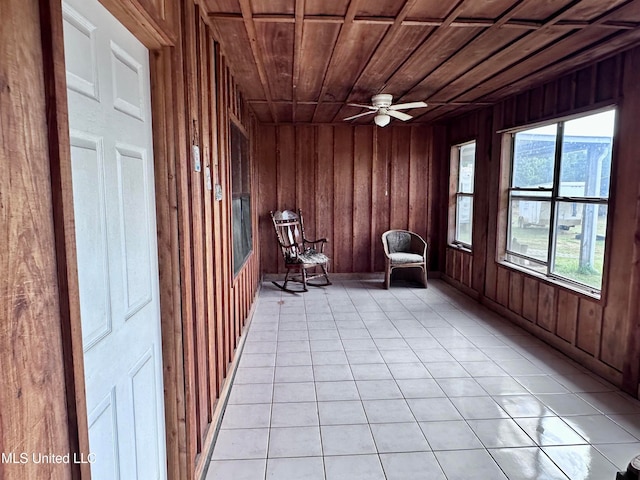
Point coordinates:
[[302, 61]]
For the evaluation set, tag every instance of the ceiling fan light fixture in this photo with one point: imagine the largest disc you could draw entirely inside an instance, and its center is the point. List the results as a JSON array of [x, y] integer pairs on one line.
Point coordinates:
[[382, 119]]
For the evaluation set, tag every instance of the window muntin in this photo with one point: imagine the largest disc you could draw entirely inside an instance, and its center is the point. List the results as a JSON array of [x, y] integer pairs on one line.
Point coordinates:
[[463, 166], [558, 199]]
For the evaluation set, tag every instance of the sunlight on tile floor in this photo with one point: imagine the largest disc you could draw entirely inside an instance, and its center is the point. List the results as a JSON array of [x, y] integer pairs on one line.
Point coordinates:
[[354, 382]]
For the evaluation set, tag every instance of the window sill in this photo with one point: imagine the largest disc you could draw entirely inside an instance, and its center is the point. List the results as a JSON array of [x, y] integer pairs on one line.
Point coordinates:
[[463, 248], [556, 282]]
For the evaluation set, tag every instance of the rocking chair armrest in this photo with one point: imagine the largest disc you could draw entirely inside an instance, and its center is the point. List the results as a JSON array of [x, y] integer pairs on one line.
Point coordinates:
[[321, 241]]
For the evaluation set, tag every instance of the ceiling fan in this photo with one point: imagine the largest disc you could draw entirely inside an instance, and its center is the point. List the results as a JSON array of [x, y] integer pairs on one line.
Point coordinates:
[[382, 106]]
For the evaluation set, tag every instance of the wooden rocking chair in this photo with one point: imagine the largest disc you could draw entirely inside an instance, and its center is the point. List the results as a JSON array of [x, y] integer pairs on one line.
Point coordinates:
[[299, 253]]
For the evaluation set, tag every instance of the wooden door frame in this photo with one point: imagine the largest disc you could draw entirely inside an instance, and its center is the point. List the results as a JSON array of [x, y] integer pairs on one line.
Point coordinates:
[[163, 60]]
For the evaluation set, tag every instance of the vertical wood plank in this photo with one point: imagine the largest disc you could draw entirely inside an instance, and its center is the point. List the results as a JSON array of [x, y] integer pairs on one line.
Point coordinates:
[[64, 230], [481, 200], [209, 242], [324, 190], [530, 299], [467, 269], [418, 180], [343, 199], [623, 216], [567, 316], [449, 263], [516, 292], [198, 223], [434, 219], [33, 403], [547, 307], [286, 168], [183, 169], [166, 119], [221, 344], [631, 363], [305, 178], [380, 195], [495, 206], [362, 212], [589, 327], [267, 197], [502, 289], [399, 192]]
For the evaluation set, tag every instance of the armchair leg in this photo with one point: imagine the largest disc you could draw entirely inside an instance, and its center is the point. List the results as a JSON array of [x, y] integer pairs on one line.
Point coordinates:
[[424, 275], [387, 276]]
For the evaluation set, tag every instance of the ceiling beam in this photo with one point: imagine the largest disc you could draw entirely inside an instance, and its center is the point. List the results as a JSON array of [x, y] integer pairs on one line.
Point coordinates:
[[297, 52], [309, 102], [245, 7], [387, 43], [429, 22], [344, 32]]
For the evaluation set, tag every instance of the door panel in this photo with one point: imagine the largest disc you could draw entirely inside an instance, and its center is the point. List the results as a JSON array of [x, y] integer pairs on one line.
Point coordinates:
[[114, 206]]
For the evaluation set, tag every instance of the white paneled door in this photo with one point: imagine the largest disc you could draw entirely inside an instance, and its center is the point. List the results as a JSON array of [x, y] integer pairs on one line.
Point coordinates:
[[114, 202]]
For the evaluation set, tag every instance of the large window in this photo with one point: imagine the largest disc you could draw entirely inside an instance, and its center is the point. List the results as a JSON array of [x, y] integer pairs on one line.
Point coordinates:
[[558, 199], [463, 160], [241, 197]]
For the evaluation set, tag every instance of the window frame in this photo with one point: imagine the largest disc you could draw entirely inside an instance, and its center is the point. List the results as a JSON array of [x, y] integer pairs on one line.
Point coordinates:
[[555, 199], [240, 179], [455, 195]]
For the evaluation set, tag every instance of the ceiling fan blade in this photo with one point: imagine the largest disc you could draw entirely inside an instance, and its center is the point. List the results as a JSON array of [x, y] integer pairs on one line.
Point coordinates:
[[399, 115], [370, 107], [404, 106], [359, 115]]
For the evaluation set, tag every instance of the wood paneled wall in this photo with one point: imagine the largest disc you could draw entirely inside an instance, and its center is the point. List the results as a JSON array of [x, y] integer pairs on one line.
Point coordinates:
[[602, 333], [197, 97], [204, 308], [352, 184], [34, 390]]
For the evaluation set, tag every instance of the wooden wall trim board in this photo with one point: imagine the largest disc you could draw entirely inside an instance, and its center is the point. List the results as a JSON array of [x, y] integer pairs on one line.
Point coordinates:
[[169, 256], [36, 413], [62, 209], [608, 329], [631, 366], [153, 23]]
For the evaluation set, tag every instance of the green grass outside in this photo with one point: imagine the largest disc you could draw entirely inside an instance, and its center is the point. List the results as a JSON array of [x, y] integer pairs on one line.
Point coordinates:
[[567, 251]]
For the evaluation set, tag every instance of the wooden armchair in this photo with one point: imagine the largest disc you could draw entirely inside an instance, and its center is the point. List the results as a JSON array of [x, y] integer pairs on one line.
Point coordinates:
[[299, 254], [404, 249]]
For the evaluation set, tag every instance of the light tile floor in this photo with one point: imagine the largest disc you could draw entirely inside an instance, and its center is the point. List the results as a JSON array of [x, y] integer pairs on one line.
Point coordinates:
[[354, 382]]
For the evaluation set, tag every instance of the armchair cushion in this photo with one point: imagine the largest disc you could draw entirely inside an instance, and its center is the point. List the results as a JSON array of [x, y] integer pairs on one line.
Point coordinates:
[[401, 257]]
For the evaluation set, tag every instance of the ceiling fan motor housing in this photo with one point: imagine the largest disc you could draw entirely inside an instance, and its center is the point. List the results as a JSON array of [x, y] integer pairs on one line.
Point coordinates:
[[382, 100]]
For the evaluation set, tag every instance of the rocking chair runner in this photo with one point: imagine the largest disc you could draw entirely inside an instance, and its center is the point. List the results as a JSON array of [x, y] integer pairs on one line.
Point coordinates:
[[299, 253]]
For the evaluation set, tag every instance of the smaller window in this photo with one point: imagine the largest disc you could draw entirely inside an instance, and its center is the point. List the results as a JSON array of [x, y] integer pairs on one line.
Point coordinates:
[[463, 160]]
